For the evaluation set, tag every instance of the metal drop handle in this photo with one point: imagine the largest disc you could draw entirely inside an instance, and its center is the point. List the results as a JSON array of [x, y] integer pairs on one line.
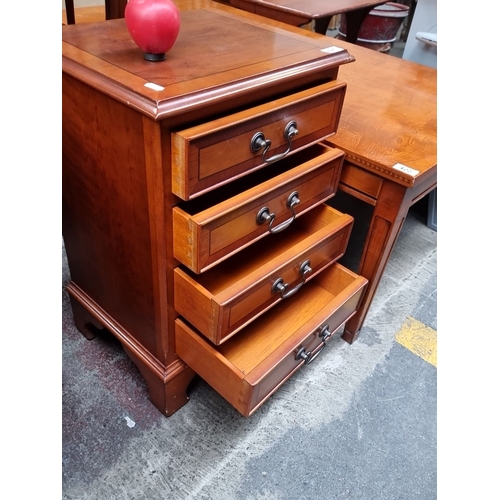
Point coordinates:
[[306, 355], [324, 333], [282, 288], [259, 141], [265, 215]]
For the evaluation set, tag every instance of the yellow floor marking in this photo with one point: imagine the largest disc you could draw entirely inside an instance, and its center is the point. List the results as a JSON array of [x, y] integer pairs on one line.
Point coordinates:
[[419, 339]]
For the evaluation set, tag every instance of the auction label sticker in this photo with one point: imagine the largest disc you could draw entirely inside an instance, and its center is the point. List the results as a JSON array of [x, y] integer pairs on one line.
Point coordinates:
[[154, 86], [405, 169], [332, 49]]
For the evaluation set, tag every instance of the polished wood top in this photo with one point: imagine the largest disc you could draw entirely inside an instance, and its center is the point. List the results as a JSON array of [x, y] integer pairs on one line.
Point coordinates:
[[389, 115], [313, 9], [221, 53]]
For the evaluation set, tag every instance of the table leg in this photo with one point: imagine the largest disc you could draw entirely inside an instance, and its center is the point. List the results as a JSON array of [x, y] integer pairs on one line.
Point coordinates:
[[321, 24], [354, 19], [70, 11], [115, 9], [389, 214]]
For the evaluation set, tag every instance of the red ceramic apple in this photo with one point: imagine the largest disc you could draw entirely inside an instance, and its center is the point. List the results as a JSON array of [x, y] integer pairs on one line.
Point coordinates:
[[153, 25]]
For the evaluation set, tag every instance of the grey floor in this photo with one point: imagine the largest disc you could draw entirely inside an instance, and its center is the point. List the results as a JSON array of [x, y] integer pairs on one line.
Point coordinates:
[[358, 423]]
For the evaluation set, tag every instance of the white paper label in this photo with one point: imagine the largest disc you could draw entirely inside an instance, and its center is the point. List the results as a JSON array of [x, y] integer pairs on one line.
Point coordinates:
[[130, 422], [332, 49], [153, 86], [405, 169]]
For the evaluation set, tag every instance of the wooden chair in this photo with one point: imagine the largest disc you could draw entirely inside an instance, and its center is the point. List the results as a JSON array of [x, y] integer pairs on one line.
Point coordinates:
[[115, 9]]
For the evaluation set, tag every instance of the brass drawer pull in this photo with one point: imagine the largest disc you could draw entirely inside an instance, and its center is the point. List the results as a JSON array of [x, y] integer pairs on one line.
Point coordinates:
[[265, 215], [281, 288], [259, 141]]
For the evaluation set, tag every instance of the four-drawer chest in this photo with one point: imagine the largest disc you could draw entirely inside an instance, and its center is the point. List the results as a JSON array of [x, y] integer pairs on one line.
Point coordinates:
[[194, 190]]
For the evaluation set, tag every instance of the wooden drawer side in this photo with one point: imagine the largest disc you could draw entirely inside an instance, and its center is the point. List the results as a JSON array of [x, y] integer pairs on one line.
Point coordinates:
[[186, 239], [196, 304], [196, 352]]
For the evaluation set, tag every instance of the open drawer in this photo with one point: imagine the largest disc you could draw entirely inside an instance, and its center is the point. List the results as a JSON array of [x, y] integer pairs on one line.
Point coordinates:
[[212, 228], [214, 153], [224, 299], [250, 366]]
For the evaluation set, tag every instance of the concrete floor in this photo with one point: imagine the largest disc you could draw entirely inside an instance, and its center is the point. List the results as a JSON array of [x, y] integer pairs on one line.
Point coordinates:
[[358, 423]]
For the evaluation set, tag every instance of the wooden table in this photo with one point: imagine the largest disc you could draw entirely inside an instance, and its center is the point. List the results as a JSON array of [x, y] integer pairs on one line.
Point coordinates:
[[294, 12], [299, 12], [388, 129]]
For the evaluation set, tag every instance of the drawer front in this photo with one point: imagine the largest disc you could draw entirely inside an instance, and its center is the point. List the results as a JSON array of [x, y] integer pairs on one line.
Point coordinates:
[[360, 183], [250, 366], [214, 153], [204, 237], [223, 300]]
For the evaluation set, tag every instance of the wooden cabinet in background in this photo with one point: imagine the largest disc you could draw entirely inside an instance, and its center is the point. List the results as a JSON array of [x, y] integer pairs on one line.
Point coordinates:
[[193, 201]]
